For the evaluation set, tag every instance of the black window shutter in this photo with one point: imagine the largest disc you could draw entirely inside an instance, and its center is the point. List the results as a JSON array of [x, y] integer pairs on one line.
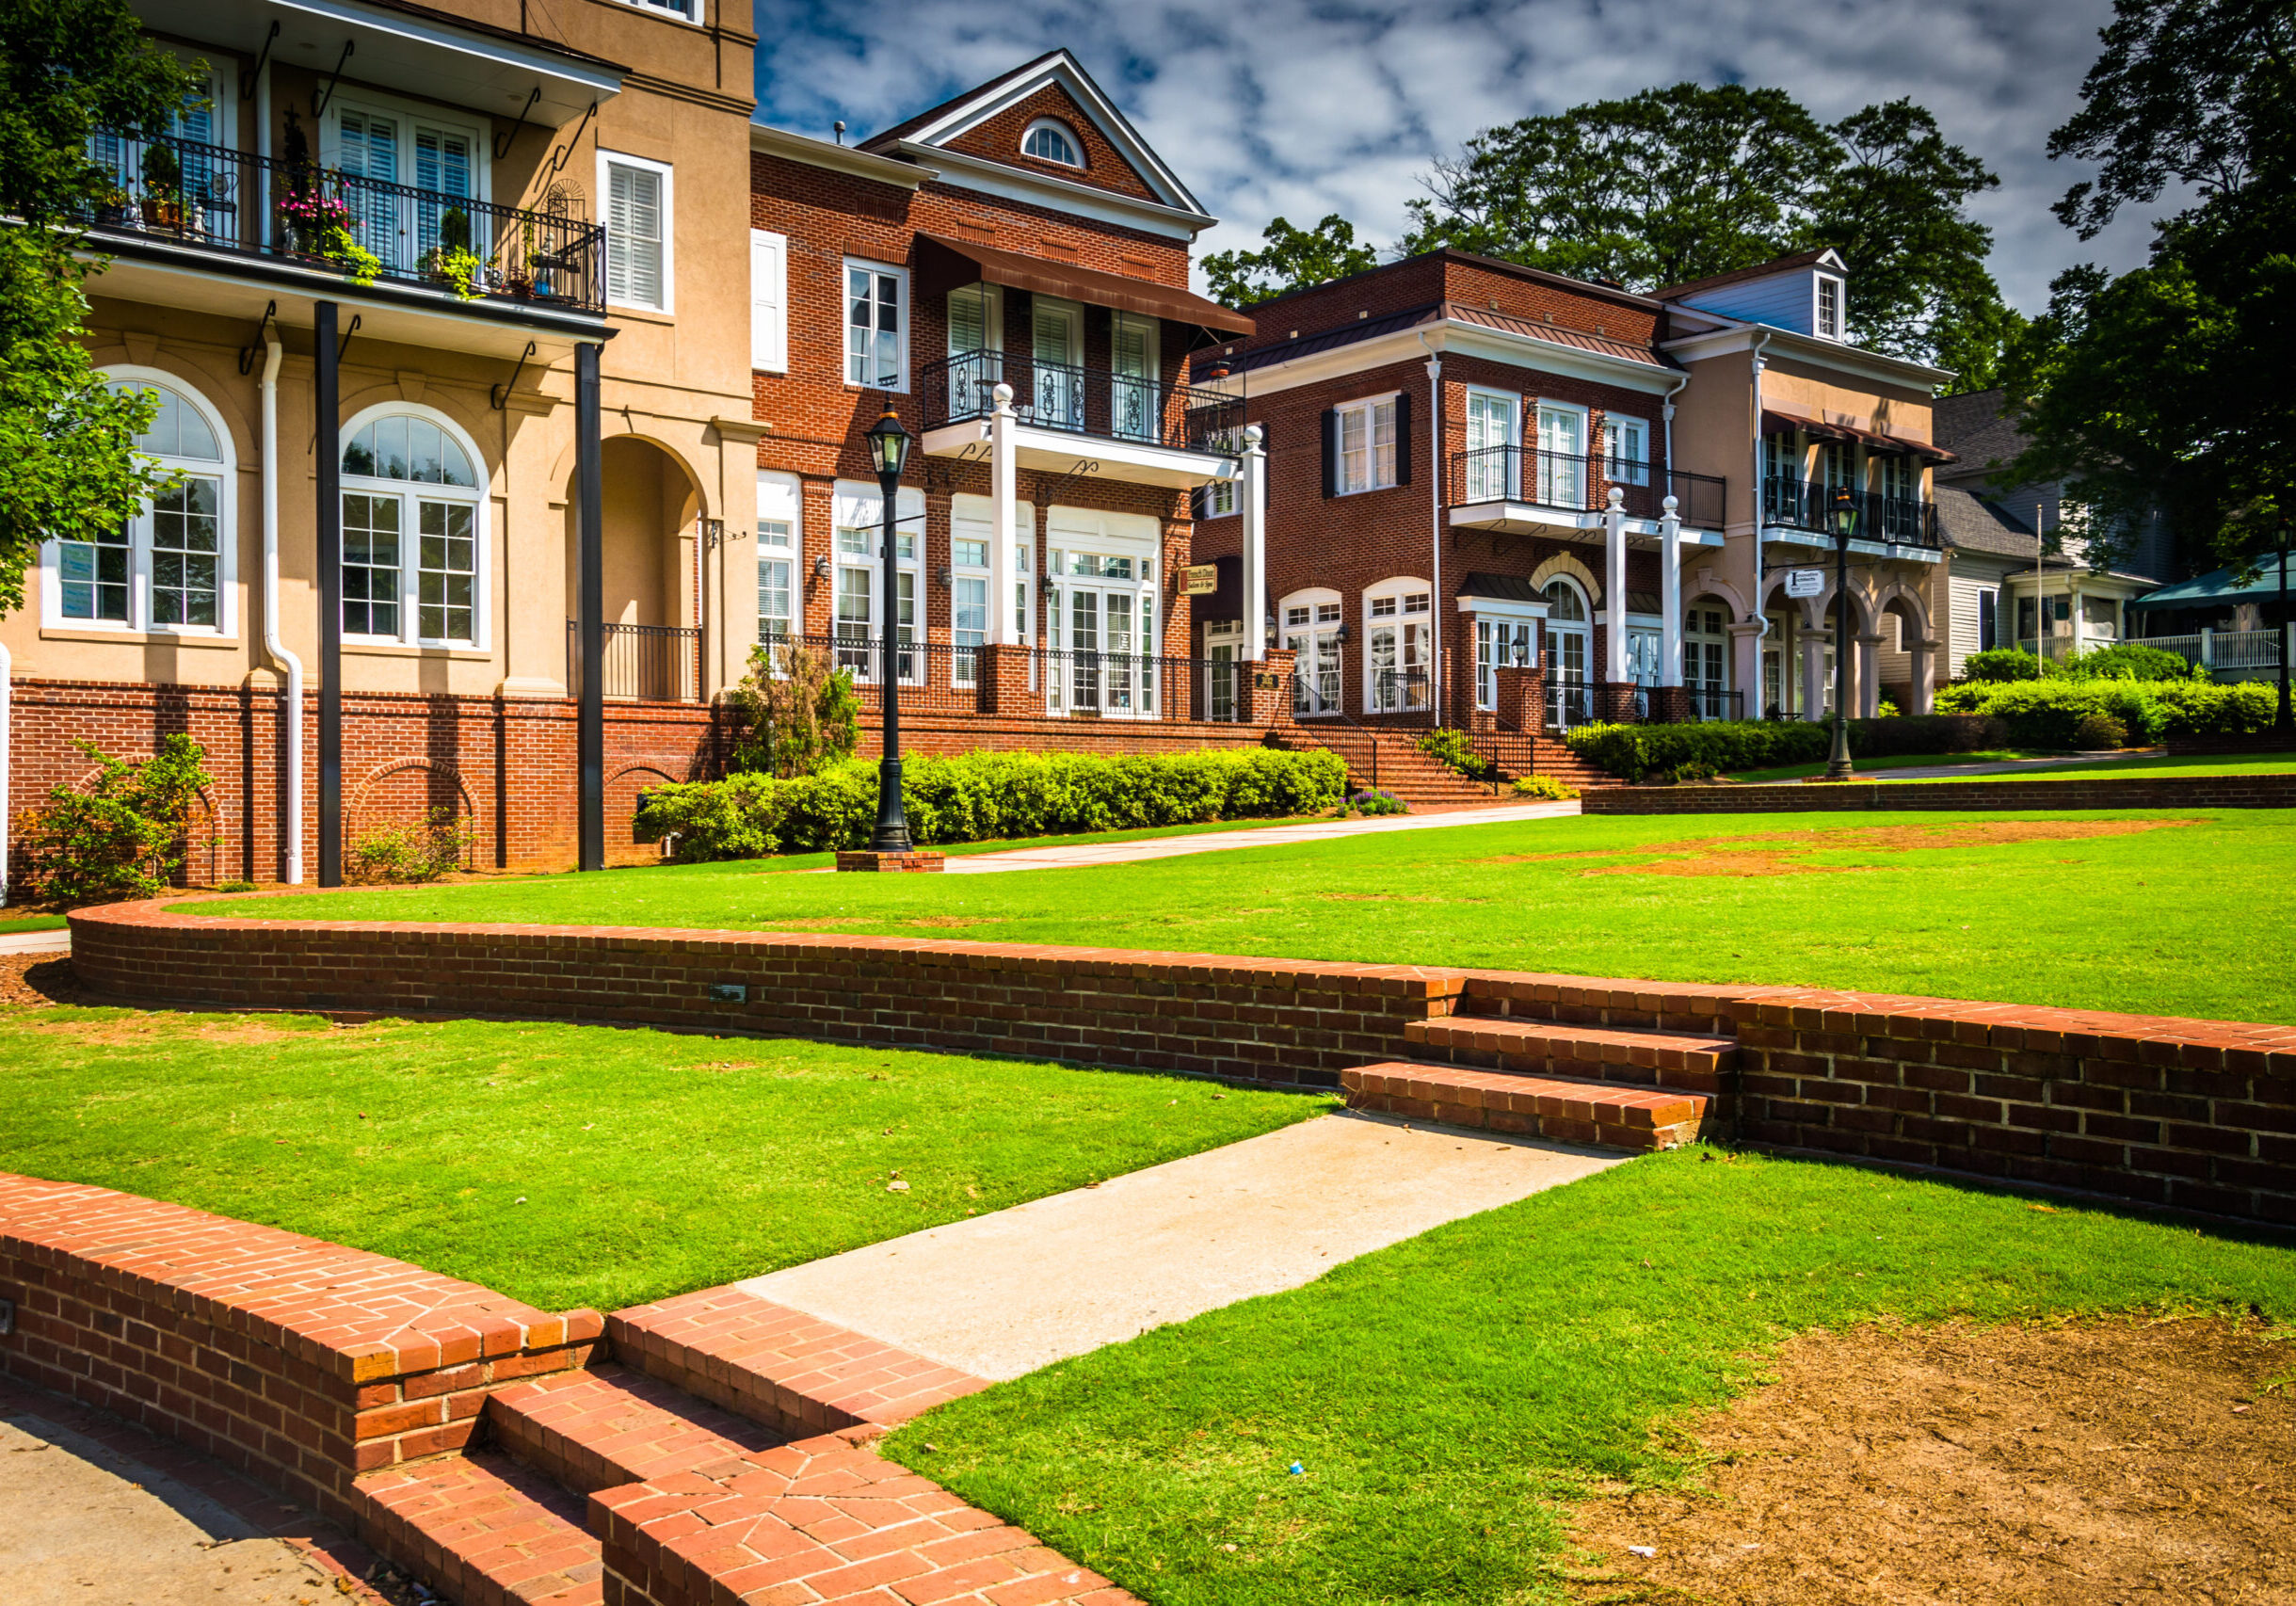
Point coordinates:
[[1331, 451], [1403, 438], [1196, 500]]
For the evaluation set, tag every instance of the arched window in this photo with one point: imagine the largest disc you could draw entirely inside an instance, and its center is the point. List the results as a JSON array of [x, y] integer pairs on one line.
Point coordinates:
[[169, 568], [1309, 622], [414, 531], [1398, 645], [1050, 141]]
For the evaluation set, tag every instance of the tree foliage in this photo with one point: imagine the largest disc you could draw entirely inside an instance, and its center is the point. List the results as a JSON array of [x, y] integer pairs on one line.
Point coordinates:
[[67, 67], [1682, 182], [1288, 259], [2165, 390]]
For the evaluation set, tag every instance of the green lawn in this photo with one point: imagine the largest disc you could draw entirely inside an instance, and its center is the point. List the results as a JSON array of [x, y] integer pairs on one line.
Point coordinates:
[[2164, 922], [2143, 763], [1441, 1396], [1895, 761], [569, 1165], [12, 923]]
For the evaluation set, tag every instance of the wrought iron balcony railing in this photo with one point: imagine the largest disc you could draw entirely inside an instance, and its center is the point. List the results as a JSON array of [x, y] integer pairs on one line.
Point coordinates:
[[1805, 505], [1084, 401], [237, 204], [1581, 482], [642, 663]]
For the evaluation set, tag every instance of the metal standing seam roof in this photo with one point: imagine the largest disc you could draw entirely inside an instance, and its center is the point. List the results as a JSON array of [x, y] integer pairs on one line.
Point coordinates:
[[1437, 312], [2220, 585]]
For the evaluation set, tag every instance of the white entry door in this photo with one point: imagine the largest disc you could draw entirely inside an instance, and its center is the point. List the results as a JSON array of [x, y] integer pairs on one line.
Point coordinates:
[[1490, 430], [1562, 457]]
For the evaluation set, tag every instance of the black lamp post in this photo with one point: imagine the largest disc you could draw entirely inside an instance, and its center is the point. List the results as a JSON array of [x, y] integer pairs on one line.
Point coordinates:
[[2284, 722], [1843, 513], [889, 446]]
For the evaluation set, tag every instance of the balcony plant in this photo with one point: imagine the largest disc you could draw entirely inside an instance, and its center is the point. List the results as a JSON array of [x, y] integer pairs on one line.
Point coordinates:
[[162, 182], [521, 278], [451, 262], [321, 224]]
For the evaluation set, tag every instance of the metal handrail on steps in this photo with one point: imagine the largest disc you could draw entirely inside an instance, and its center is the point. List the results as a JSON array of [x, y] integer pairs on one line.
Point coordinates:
[[1335, 710]]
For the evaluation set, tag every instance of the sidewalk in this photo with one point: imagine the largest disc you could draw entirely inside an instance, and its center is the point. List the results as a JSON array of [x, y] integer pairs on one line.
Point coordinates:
[[1005, 1294]]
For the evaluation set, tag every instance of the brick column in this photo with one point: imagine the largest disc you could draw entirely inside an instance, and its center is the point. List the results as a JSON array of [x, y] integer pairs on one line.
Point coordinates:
[[1004, 681], [1522, 697], [1615, 700], [1268, 687], [1670, 705]]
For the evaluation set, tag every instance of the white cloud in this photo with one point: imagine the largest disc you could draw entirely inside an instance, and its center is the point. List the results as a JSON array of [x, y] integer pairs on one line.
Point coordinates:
[[1301, 108]]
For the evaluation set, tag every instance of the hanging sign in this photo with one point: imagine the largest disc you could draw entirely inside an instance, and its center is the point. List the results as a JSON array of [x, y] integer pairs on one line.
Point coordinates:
[[1203, 579], [1805, 581]]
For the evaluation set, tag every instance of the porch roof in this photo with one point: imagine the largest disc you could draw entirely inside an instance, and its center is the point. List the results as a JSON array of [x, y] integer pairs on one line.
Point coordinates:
[[944, 265], [2221, 586], [1784, 418]]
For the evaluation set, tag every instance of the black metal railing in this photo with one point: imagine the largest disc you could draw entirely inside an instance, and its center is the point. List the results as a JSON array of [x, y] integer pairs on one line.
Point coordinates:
[[951, 677], [1713, 702], [1808, 504], [1084, 401], [1583, 482], [235, 203], [1402, 695], [1569, 703], [643, 663]]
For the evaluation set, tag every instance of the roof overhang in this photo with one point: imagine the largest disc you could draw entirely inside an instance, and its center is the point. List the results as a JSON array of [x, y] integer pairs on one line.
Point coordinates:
[[1826, 430], [1510, 518], [421, 53], [1060, 452], [944, 265], [839, 158], [1730, 336], [1450, 335], [1060, 195]]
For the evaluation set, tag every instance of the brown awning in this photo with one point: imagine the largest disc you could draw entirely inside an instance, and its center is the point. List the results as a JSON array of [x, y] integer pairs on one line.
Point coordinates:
[[1782, 418], [944, 265]]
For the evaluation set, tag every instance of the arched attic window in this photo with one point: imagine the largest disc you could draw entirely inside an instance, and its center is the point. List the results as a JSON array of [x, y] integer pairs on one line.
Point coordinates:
[[1050, 141]]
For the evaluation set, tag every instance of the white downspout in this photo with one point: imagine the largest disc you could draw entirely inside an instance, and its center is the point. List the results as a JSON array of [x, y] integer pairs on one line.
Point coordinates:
[[1443, 616], [8, 699], [1761, 607], [291, 745]]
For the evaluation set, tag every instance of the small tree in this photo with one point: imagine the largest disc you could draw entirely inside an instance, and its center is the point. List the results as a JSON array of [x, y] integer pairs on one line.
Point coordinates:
[[123, 834], [796, 714]]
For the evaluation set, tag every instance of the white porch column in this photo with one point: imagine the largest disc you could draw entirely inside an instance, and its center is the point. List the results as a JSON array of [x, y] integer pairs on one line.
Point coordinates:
[[1868, 681], [1255, 499], [1670, 596], [1924, 656], [1813, 672], [1002, 627], [1746, 642], [1614, 586]]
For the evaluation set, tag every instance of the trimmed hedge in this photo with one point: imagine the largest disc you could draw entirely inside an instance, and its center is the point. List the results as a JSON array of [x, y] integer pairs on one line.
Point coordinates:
[[2048, 714], [987, 797], [1721, 746]]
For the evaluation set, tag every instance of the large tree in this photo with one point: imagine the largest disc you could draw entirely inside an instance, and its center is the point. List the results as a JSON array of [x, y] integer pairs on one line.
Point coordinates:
[[1679, 183], [1288, 259], [2165, 390], [67, 67]]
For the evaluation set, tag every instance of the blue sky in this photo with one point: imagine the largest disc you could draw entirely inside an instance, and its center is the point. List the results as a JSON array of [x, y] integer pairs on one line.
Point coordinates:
[[1301, 108]]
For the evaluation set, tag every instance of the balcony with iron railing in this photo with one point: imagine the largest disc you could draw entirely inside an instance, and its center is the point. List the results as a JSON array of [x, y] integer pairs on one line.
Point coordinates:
[[640, 662], [1794, 504], [233, 205], [1578, 482], [1095, 403]]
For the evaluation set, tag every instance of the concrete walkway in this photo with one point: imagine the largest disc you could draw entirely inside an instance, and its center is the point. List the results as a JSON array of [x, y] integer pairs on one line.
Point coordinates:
[[36, 941], [1999, 766], [1003, 1294], [1266, 836]]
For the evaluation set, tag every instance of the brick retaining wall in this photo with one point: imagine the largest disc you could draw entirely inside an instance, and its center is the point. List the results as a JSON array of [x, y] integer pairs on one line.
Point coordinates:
[[2164, 792], [2194, 1113], [299, 1362]]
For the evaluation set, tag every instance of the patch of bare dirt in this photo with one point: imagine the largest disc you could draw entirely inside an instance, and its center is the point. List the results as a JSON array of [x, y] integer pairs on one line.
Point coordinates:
[[35, 980], [2082, 1465], [952, 922], [1782, 853]]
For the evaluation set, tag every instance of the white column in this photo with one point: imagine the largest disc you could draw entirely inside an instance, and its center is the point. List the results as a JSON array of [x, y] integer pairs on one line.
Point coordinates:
[[1614, 585], [1924, 656], [1254, 498], [1002, 627], [1813, 672], [1670, 595], [1746, 644]]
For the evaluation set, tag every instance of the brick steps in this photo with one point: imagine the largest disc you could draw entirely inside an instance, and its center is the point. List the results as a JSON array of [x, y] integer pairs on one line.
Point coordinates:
[[1402, 769], [485, 1531], [1530, 1047], [594, 1430], [1591, 1113]]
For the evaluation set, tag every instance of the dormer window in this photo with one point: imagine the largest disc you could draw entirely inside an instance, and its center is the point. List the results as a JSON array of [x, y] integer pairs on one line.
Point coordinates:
[[1829, 308], [1050, 141]]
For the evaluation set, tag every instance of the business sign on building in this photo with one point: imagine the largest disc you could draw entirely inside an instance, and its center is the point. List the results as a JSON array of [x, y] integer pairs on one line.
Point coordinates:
[[1805, 581], [1203, 579]]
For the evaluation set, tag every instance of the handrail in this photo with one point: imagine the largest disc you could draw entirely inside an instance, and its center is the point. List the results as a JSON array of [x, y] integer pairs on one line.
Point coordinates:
[[1583, 482], [1078, 400], [237, 204], [1805, 505]]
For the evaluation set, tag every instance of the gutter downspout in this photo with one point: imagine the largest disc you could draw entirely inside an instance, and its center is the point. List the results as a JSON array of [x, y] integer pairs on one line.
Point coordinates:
[[7, 699], [291, 745], [1435, 496], [1753, 486]]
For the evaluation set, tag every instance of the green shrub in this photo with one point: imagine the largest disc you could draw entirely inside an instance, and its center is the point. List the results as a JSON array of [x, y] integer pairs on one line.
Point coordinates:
[[236, 887], [2132, 661], [1684, 773], [987, 797], [1371, 803], [1452, 746], [1999, 663], [122, 835], [2096, 731], [1724, 747], [435, 847], [2046, 713], [795, 715], [1544, 786]]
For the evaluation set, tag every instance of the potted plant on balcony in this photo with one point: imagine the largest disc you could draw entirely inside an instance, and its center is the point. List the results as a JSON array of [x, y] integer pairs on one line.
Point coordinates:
[[321, 224], [521, 282], [451, 262], [116, 210], [163, 183]]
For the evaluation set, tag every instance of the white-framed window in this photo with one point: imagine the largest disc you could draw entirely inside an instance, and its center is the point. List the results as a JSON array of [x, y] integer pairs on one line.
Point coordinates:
[[170, 566], [1223, 497], [1626, 450], [1311, 621], [1501, 642], [859, 540], [970, 534], [1829, 307], [768, 301], [976, 348], [372, 136], [413, 530], [1048, 140], [684, 11], [641, 259], [1494, 426], [1136, 401], [1561, 456], [1101, 611], [1398, 646], [781, 554], [877, 302], [1367, 446]]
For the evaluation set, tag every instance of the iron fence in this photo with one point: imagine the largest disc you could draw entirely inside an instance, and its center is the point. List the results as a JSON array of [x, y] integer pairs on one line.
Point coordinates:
[[641, 663], [950, 678], [1806, 505], [1583, 482], [1084, 401]]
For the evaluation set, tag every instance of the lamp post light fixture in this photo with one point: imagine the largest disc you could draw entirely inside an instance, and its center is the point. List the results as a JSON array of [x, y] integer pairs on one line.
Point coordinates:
[[1842, 514], [888, 445], [2284, 721]]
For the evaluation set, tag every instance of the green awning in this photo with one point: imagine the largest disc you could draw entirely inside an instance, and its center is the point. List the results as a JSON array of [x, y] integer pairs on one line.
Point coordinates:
[[2220, 586]]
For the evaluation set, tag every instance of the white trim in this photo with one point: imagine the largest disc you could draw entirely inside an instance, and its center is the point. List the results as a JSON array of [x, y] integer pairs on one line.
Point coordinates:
[[1074, 140], [1733, 336], [768, 302], [656, 9], [408, 112], [138, 625], [813, 153], [1841, 306], [1368, 407], [1454, 335], [1008, 183], [906, 317], [1501, 607], [481, 499], [607, 161]]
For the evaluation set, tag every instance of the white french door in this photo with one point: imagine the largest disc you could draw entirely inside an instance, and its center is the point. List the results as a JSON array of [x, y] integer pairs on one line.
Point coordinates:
[[1058, 393], [1101, 641], [1562, 457], [1311, 632], [1500, 644], [1133, 394], [1490, 430]]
